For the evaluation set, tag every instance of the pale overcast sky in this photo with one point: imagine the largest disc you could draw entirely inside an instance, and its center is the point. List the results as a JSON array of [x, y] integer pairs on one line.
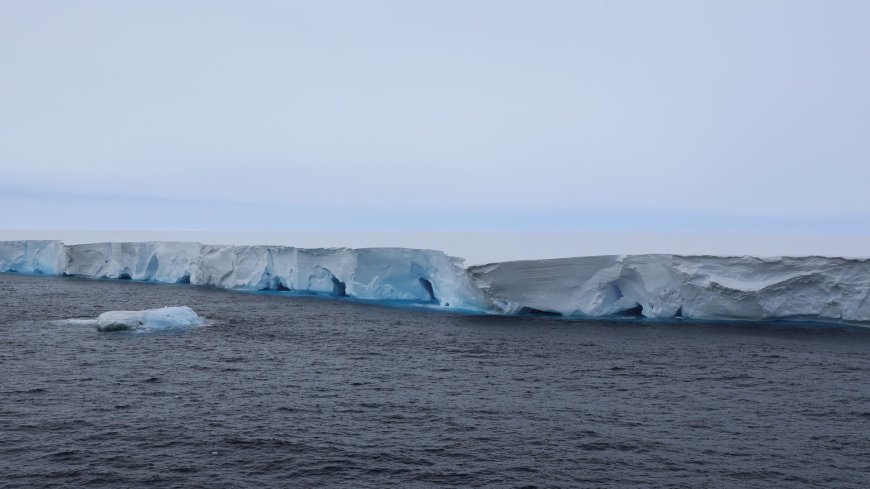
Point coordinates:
[[693, 116]]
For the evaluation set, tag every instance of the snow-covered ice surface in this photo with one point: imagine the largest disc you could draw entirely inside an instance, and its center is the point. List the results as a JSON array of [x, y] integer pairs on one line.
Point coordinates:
[[659, 286], [32, 257], [394, 274], [671, 286], [140, 321], [165, 262], [148, 320]]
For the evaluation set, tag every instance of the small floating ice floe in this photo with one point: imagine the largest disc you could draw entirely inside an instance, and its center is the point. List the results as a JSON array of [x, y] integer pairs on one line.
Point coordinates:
[[149, 319]]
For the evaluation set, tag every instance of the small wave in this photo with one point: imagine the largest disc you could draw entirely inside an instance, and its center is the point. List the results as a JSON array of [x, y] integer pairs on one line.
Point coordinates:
[[74, 322]]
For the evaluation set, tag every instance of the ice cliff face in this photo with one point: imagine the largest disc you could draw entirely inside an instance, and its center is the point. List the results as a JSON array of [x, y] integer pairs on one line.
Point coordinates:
[[152, 261], [670, 286], [372, 274], [651, 286], [32, 257]]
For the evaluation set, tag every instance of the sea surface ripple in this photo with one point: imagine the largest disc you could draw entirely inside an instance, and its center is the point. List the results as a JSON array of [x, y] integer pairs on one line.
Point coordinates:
[[301, 392]]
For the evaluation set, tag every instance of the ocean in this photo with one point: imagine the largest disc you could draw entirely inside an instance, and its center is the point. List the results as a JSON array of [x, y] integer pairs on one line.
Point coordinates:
[[308, 392]]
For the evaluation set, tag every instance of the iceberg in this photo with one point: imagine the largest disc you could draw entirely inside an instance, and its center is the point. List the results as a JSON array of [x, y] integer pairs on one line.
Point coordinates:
[[672, 286], [32, 257], [376, 274], [660, 286], [366, 274], [165, 262], [148, 319]]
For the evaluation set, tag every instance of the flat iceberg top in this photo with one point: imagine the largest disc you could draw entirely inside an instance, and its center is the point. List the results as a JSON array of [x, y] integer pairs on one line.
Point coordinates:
[[148, 319]]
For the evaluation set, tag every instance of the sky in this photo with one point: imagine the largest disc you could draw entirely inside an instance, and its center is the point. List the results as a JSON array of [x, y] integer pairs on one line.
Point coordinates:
[[623, 116]]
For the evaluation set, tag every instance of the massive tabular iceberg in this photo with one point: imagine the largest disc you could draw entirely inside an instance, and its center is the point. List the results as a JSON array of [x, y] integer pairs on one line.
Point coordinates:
[[32, 257], [369, 274], [671, 286], [650, 286]]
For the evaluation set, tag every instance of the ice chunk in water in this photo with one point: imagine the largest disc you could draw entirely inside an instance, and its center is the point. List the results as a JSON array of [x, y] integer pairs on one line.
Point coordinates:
[[149, 319]]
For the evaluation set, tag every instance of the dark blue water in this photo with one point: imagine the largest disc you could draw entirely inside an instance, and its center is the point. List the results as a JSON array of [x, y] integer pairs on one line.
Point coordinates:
[[302, 392]]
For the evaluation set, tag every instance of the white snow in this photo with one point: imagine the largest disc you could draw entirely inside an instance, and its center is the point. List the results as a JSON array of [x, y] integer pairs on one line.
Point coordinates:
[[368, 274], [668, 286], [32, 257], [166, 262], [482, 247], [148, 320], [659, 286]]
